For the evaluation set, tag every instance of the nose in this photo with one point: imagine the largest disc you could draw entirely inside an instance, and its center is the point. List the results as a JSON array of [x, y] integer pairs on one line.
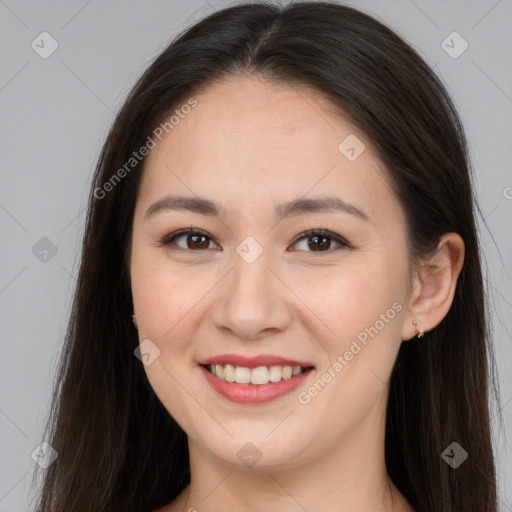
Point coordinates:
[[252, 303]]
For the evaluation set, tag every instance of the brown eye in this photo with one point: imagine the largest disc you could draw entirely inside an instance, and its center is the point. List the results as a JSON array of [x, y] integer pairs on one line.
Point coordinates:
[[197, 242], [321, 241], [194, 240], [318, 243]]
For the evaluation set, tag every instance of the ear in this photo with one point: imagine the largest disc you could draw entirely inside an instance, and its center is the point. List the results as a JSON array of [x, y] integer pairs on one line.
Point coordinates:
[[433, 286]]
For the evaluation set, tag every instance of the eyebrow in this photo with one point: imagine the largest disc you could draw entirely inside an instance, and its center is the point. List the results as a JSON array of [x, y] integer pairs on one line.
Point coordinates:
[[204, 206]]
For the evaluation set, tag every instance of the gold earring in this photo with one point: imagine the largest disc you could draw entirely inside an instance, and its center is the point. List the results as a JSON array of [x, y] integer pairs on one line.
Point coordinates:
[[419, 332]]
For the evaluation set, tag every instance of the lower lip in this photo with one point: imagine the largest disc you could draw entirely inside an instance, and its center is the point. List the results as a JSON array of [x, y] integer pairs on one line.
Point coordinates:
[[254, 394]]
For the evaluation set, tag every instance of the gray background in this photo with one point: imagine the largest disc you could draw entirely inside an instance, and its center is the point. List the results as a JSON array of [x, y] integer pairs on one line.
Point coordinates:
[[54, 116]]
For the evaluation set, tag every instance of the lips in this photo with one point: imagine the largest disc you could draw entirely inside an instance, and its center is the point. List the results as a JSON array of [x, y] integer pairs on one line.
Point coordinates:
[[245, 392], [250, 394]]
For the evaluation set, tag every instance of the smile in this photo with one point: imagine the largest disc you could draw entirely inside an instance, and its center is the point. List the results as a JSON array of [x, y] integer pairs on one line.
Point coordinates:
[[243, 391], [254, 376]]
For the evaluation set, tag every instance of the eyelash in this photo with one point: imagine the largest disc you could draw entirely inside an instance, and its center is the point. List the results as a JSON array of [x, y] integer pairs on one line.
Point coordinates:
[[169, 239]]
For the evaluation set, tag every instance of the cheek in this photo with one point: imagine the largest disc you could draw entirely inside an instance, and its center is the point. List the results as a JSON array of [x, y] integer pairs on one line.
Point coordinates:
[[164, 298], [162, 295], [362, 307], [361, 311], [347, 299]]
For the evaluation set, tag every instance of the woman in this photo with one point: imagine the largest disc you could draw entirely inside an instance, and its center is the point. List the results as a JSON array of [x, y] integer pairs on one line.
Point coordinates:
[[280, 301]]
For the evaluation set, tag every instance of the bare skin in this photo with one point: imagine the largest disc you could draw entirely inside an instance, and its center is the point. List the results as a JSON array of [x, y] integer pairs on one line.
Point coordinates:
[[250, 145]]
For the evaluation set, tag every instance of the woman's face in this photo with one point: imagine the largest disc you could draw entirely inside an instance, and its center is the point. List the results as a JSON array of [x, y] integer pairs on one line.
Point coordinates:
[[252, 284]]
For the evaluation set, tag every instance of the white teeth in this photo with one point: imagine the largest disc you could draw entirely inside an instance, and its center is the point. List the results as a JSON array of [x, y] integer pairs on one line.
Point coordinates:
[[229, 373], [259, 375], [242, 375], [275, 373], [287, 372], [256, 376], [219, 370]]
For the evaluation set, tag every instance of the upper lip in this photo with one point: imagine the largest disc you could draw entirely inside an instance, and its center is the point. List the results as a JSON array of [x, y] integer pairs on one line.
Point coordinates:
[[254, 362]]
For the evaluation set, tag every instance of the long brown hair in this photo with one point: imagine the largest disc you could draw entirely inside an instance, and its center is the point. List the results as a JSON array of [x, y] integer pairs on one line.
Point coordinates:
[[118, 448]]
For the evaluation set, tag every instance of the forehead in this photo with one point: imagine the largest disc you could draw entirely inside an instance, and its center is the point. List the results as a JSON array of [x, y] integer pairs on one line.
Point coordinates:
[[249, 141], [253, 111]]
